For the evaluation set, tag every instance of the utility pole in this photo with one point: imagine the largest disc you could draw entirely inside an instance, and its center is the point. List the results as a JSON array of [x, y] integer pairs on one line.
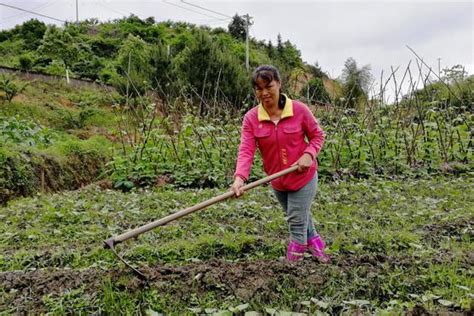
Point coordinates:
[[77, 12], [247, 24], [439, 67]]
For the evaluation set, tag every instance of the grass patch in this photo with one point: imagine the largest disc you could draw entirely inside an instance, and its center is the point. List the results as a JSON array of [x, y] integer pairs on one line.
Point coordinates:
[[397, 245]]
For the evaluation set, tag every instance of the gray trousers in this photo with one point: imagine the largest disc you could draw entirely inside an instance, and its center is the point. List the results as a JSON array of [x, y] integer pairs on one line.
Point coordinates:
[[297, 207]]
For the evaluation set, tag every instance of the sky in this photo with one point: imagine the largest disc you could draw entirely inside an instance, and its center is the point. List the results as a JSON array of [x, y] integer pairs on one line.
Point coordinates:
[[374, 33]]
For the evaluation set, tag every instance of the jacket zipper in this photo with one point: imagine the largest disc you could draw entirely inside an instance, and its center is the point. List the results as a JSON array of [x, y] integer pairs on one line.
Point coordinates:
[[278, 147]]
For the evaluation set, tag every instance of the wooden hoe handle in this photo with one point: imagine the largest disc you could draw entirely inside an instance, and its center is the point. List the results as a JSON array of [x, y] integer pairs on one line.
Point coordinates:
[[111, 242]]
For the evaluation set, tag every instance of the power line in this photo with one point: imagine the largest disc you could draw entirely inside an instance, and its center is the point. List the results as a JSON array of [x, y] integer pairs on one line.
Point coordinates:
[[213, 21], [41, 6], [205, 9], [121, 13], [191, 10], [39, 14]]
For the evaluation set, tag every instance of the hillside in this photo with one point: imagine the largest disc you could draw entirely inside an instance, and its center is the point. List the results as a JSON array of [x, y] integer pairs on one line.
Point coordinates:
[[173, 58], [54, 136]]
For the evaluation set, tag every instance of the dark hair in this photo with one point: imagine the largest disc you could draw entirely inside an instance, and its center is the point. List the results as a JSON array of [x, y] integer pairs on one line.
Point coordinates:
[[267, 73]]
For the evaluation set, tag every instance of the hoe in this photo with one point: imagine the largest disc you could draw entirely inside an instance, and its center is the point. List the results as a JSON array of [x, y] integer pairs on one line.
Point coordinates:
[[111, 242]]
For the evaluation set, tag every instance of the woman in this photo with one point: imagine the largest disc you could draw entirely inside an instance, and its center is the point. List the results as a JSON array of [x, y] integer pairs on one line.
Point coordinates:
[[278, 127]]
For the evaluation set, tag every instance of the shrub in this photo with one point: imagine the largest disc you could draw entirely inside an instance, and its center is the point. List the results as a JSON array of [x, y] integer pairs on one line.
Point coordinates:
[[18, 131], [315, 92], [26, 62], [10, 87]]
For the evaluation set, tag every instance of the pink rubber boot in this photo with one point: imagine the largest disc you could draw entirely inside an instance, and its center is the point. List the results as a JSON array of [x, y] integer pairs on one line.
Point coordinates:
[[316, 247], [295, 251]]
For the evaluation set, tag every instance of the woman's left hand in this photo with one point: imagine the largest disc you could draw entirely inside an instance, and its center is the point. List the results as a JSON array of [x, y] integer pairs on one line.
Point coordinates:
[[304, 162]]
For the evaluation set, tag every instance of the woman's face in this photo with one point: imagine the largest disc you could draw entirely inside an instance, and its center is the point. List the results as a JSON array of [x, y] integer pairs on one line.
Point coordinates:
[[267, 92]]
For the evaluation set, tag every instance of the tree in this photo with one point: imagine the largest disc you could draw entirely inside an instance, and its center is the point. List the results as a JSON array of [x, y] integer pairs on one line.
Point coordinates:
[[271, 52], [356, 82], [89, 67], [316, 71], [455, 74], [31, 32], [5, 35], [210, 71], [237, 27], [287, 59], [133, 66], [59, 44], [26, 62], [104, 47], [315, 91], [10, 88], [279, 44], [162, 63]]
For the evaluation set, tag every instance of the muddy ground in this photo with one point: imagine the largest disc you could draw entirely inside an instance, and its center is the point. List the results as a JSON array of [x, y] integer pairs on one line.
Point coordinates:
[[262, 279]]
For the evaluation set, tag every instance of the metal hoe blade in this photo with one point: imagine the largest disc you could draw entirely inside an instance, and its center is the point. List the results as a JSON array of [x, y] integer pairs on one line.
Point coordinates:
[[109, 243]]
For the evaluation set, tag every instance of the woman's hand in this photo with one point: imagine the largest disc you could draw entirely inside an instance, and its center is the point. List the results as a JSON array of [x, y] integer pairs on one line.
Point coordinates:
[[237, 186], [304, 162]]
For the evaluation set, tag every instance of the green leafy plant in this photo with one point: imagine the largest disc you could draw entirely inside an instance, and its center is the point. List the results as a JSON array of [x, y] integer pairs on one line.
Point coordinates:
[[10, 88], [20, 131]]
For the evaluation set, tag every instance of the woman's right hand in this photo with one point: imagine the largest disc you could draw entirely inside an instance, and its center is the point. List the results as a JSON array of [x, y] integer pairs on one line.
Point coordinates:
[[237, 186]]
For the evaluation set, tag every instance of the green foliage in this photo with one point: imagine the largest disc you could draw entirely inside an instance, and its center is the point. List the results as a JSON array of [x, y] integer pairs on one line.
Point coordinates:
[[41, 63], [10, 49], [133, 74], [163, 76], [38, 154], [31, 32], [406, 244], [189, 151], [89, 68], [356, 83], [104, 47], [451, 92], [287, 59], [26, 62], [9, 87], [70, 302], [91, 98], [59, 44], [315, 92], [316, 71], [210, 71], [59, 165], [455, 74], [5, 35], [237, 27], [20, 131], [76, 120], [45, 103], [159, 55], [194, 155], [133, 25], [17, 176]]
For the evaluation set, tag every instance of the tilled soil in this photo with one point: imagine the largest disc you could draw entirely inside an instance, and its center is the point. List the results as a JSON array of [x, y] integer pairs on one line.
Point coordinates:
[[23, 291]]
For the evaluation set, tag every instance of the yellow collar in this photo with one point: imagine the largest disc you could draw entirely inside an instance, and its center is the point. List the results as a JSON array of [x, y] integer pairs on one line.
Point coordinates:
[[287, 110]]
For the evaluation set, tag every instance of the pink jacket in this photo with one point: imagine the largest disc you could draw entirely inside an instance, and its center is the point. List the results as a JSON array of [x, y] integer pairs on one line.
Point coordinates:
[[280, 144]]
